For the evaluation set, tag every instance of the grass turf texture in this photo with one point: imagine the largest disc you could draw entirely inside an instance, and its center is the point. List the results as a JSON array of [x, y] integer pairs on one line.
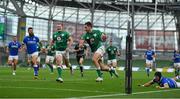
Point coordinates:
[[23, 85]]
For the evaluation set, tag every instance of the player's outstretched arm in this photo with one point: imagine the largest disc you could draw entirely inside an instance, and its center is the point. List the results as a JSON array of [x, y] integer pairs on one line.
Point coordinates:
[[147, 84]]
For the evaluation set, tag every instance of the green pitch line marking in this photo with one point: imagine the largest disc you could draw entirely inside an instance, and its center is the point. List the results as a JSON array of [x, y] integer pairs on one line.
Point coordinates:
[[123, 94], [60, 89]]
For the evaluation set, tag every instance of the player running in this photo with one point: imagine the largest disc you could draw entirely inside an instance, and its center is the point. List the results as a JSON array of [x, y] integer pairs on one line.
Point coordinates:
[[81, 51], [150, 57], [176, 59], [163, 82], [13, 49], [112, 51], [62, 42], [95, 38], [31, 43]]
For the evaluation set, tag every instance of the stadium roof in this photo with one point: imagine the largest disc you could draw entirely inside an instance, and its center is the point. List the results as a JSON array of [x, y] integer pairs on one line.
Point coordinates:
[[116, 5]]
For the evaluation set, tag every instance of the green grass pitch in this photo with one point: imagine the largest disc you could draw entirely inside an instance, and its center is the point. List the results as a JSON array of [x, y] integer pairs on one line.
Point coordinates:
[[23, 85]]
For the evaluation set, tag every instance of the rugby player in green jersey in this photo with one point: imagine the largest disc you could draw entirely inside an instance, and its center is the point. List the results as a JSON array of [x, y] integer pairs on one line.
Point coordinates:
[[112, 51], [62, 42], [95, 38]]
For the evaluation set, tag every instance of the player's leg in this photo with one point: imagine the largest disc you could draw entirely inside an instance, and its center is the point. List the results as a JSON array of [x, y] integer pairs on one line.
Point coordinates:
[[35, 64], [10, 61], [96, 57], [15, 61], [109, 63], [148, 65], [29, 62], [59, 61], [176, 67], [113, 68], [81, 65], [104, 67], [39, 62], [49, 62], [67, 62]]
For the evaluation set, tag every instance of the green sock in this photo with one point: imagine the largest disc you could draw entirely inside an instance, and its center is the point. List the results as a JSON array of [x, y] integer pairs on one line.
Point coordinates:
[[99, 72], [111, 73], [59, 69], [50, 66]]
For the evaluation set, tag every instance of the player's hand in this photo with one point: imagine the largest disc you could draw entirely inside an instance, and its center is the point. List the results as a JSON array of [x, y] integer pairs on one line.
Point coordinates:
[[141, 85]]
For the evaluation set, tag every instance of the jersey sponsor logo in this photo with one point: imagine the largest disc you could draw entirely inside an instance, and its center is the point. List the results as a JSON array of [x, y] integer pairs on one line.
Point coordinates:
[[14, 46], [31, 42]]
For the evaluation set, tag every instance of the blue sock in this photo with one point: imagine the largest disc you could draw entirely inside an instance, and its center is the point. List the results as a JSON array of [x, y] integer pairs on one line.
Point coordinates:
[[35, 71], [147, 71]]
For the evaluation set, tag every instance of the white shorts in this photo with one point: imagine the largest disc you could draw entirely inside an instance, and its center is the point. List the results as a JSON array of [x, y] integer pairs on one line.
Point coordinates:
[[149, 61], [101, 50], [33, 54], [61, 53], [13, 57], [50, 59], [177, 65], [111, 61]]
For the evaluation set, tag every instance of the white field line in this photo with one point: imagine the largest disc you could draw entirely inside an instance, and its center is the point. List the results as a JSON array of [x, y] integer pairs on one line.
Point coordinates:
[[123, 94], [60, 89]]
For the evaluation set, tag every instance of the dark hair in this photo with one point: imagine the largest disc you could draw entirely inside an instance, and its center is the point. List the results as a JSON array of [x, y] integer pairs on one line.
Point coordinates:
[[158, 74], [88, 24], [30, 28]]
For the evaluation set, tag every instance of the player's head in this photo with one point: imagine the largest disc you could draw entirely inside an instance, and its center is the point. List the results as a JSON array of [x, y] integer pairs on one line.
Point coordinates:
[[59, 27], [110, 42], [30, 31], [149, 48], [157, 76], [81, 43], [88, 26], [14, 38]]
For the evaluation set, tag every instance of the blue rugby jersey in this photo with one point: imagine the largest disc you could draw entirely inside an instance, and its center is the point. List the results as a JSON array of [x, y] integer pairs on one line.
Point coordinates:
[[149, 54], [176, 58], [31, 43], [13, 48], [169, 81]]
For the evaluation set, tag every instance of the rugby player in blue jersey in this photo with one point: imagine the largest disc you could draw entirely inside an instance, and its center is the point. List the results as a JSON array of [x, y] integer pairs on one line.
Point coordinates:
[[150, 57], [31, 43], [163, 82], [176, 59], [13, 48]]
